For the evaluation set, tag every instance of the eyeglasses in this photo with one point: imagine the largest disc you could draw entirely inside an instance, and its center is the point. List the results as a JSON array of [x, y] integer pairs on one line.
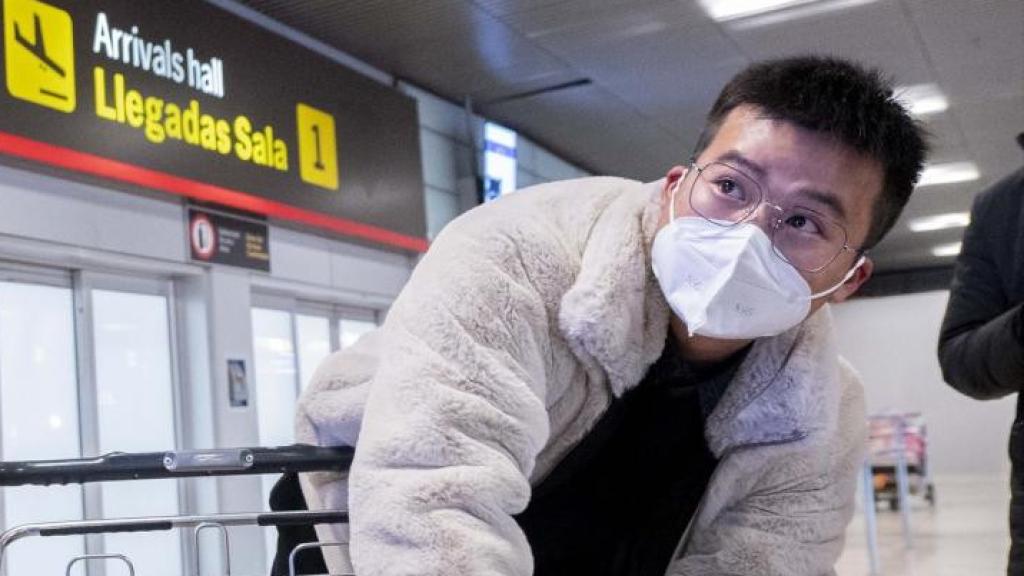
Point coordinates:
[[806, 239]]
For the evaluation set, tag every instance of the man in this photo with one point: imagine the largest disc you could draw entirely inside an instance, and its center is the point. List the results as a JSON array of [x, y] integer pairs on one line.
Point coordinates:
[[981, 347], [601, 376]]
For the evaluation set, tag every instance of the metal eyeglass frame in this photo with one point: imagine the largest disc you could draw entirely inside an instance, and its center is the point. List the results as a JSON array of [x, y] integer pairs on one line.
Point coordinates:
[[775, 222]]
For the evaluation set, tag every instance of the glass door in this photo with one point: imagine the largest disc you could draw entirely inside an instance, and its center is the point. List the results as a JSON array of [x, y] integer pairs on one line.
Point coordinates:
[[135, 412], [87, 367], [39, 411]]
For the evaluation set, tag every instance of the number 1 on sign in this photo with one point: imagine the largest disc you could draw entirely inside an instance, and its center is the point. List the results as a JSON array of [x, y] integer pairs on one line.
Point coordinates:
[[318, 147], [319, 163]]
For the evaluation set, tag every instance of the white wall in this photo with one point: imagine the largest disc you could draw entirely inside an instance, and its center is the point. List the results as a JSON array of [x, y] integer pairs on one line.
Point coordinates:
[[892, 342]]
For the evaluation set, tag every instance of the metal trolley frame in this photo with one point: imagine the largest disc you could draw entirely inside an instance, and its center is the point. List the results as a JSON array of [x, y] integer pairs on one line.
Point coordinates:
[[119, 466]]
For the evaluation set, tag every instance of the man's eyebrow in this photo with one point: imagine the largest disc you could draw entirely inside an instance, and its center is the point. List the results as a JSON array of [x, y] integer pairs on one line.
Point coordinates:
[[827, 199], [734, 157]]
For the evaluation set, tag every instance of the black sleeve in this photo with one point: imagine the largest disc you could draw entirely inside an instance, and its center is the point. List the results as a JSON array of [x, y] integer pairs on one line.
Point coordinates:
[[981, 349], [287, 495]]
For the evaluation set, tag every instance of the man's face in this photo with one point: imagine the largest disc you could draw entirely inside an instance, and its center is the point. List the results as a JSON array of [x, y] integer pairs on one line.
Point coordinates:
[[794, 166]]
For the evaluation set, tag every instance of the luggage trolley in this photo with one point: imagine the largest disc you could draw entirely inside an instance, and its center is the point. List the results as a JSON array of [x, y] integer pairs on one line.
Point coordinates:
[[176, 464], [895, 438]]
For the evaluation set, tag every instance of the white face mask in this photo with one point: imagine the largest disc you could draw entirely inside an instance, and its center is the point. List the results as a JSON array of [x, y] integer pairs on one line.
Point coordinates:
[[726, 282]]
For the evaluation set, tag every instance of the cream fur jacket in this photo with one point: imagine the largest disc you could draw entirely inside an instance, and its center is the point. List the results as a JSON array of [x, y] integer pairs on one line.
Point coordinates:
[[519, 326]]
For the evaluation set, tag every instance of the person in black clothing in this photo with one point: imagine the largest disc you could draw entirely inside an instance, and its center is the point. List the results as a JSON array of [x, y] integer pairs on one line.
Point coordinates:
[[981, 346], [286, 496]]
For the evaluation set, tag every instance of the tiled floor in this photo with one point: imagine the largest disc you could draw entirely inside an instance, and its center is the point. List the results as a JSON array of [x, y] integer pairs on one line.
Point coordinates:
[[965, 534]]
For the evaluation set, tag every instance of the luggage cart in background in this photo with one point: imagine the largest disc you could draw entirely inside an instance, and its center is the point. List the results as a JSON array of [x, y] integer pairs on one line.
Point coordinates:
[[896, 466], [120, 466], [894, 437]]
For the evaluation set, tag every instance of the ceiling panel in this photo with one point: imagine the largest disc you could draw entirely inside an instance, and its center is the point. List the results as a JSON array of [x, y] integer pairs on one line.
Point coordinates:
[[505, 7], [991, 129], [902, 243], [917, 241], [575, 25], [583, 108], [994, 114], [600, 130], [371, 27], [441, 44], [687, 125], [450, 65], [932, 200], [894, 253], [946, 138], [977, 46], [997, 119], [665, 71], [875, 34]]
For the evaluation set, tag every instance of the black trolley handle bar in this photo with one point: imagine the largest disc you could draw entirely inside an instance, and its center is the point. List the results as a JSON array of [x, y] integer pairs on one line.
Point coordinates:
[[177, 464], [163, 523]]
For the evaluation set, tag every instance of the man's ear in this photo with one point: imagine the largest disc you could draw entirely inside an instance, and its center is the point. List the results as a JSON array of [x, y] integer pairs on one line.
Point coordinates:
[[673, 178], [854, 283]]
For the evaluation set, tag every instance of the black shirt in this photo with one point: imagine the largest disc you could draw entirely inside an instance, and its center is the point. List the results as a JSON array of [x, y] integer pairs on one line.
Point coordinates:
[[619, 503], [287, 495]]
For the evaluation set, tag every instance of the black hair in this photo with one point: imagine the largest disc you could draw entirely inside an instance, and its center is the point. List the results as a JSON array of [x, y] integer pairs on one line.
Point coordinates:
[[845, 101]]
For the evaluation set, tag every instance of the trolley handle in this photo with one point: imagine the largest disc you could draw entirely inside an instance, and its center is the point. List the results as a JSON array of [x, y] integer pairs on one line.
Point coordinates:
[[177, 464]]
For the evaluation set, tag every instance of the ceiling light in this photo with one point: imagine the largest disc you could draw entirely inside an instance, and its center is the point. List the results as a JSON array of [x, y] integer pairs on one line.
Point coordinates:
[[945, 250], [722, 10], [948, 173], [753, 13], [922, 99], [940, 222]]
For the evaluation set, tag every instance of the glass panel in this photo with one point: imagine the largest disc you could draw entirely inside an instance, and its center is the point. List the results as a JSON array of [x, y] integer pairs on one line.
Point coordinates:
[[352, 330], [274, 359], [135, 405], [314, 335], [37, 361]]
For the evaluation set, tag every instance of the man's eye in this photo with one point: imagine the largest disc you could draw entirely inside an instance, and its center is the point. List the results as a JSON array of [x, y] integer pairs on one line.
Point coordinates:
[[730, 188], [803, 224]]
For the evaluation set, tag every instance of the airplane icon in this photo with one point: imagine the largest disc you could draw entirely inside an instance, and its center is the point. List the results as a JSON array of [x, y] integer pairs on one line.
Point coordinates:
[[38, 48], [39, 54]]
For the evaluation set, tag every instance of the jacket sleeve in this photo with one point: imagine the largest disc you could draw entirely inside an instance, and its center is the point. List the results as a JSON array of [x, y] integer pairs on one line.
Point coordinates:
[[455, 416], [981, 349], [792, 518]]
